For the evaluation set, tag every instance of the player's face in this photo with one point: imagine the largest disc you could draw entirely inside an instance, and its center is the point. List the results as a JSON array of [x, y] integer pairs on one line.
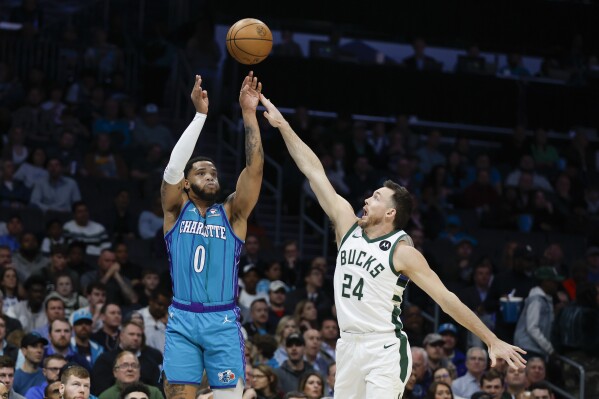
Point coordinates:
[[203, 181], [376, 208]]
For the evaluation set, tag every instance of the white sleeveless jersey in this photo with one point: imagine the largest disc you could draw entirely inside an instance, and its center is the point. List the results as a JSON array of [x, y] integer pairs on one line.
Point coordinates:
[[368, 290]]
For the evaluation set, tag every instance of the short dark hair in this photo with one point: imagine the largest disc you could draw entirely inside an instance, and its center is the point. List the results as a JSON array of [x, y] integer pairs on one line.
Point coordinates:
[[6, 361], [135, 387], [193, 160], [491, 375], [402, 200], [54, 356], [77, 204], [106, 305], [540, 385], [96, 285], [34, 280], [295, 394]]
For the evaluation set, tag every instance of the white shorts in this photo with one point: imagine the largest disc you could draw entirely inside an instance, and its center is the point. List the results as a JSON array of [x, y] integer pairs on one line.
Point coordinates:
[[372, 365]]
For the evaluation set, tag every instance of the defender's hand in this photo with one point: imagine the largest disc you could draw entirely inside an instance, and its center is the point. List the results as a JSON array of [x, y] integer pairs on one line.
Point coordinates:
[[249, 96]]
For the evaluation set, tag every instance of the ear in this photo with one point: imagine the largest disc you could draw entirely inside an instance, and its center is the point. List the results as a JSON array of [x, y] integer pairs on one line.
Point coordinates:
[[61, 390], [391, 213]]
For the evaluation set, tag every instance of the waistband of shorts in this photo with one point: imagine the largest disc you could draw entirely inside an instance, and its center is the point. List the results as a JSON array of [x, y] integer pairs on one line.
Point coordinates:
[[350, 335], [198, 307]]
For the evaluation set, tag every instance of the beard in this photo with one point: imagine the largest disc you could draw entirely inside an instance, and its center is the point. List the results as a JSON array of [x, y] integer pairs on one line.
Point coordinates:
[[203, 195]]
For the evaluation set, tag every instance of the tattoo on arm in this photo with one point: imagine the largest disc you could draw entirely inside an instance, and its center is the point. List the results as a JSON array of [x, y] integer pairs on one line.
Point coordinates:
[[252, 147]]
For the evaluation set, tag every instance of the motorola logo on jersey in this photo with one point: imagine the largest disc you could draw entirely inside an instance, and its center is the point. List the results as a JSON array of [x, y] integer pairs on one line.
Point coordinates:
[[385, 245]]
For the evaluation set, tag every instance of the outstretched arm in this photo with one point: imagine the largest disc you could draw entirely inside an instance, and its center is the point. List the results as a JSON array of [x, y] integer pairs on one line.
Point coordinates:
[[410, 262], [336, 207], [173, 180], [240, 204]]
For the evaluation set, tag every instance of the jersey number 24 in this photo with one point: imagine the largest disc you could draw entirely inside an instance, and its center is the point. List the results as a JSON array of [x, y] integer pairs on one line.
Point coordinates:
[[347, 291]]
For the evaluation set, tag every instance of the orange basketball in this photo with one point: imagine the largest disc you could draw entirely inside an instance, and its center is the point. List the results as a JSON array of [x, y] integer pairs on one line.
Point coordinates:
[[249, 41]]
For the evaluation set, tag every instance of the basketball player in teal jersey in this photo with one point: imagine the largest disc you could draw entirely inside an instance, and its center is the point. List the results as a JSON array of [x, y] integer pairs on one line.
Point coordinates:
[[376, 259], [204, 240]]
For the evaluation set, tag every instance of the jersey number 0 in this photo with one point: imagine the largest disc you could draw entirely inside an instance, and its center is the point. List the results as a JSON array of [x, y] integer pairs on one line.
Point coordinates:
[[199, 258]]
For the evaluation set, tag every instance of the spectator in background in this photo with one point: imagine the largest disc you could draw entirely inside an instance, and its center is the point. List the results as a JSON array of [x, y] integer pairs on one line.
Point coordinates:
[[150, 131], [150, 280], [57, 192], [434, 346], [67, 151], [420, 61], [541, 390], [107, 336], [420, 371], [57, 266], [7, 348], [103, 161], [544, 154], [126, 372], [150, 221], [75, 383], [527, 165], [439, 390], [34, 169], [266, 382], [514, 382], [53, 236], [430, 155], [113, 125], [101, 56], [285, 327], [28, 260], [533, 330], [312, 291], [95, 293], [14, 229], [482, 194], [32, 118], [7, 377], [535, 370], [287, 47], [155, 317], [54, 309], [258, 318], [84, 230], [514, 67], [30, 373], [204, 54], [30, 312], [81, 344], [13, 193], [251, 254], [312, 384], [277, 292], [313, 340], [51, 367], [491, 382], [120, 219], [131, 338], [476, 364], [65, 290], [449, 333], [14, 147], [118, 287], [294, 367]]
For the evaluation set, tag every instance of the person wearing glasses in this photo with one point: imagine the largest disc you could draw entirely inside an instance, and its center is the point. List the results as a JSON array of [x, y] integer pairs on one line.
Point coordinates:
[[476, 364], [51, 370], [126, 373]]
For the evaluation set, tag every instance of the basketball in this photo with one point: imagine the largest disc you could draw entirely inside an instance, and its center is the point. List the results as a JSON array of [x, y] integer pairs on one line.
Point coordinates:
[[249, 41]]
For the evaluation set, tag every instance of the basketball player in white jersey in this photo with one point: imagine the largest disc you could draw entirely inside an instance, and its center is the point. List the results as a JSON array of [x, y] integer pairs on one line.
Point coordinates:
[[376, 260]]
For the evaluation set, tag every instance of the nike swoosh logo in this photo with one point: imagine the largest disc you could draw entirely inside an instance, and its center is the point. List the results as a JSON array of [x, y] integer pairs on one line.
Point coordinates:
[[388, 346]]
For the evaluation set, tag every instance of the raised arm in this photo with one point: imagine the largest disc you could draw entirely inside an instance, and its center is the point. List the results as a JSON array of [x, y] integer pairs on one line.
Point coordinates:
[[411, 263], [336, 207], [171, 191], [239, 205]]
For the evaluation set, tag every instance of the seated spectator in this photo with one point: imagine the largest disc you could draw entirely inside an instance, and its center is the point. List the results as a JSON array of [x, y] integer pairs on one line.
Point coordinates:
[[155, 317], [514, 382], [137, 391], [108, 271], [131, 339], [34, 169], [111, 317], [476, 364], [30, 373], [57, 192], [66, 292], [439, 389], [449, 332], [8, 349], [75, 383], [312, 384], [527, 165], [535, 370], [54, 309], [150, 281], [30, 312], [120, 219], [277, 293], [53, 236], [95, 293], [28, 260], [491, 382], [266, 382], [30, 117], [7, 365], [151, 221], [545, 218], [102, 161], [82, 229], [15, 148], [103, 56], [58, 265], [113, 125], [149, 131], [51, 367], [81, 344], [12, 235], [544, 154], [287, 47], [285, 327], [126, 372], [514, 67], [294, 367], [13, 193], [480, 195], [312, 291], [313, 340], [420, 61], [430, 155], [257, 323], [68, 152]]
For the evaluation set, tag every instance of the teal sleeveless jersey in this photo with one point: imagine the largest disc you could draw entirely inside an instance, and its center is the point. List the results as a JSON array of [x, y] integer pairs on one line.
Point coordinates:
[[203, 255]]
